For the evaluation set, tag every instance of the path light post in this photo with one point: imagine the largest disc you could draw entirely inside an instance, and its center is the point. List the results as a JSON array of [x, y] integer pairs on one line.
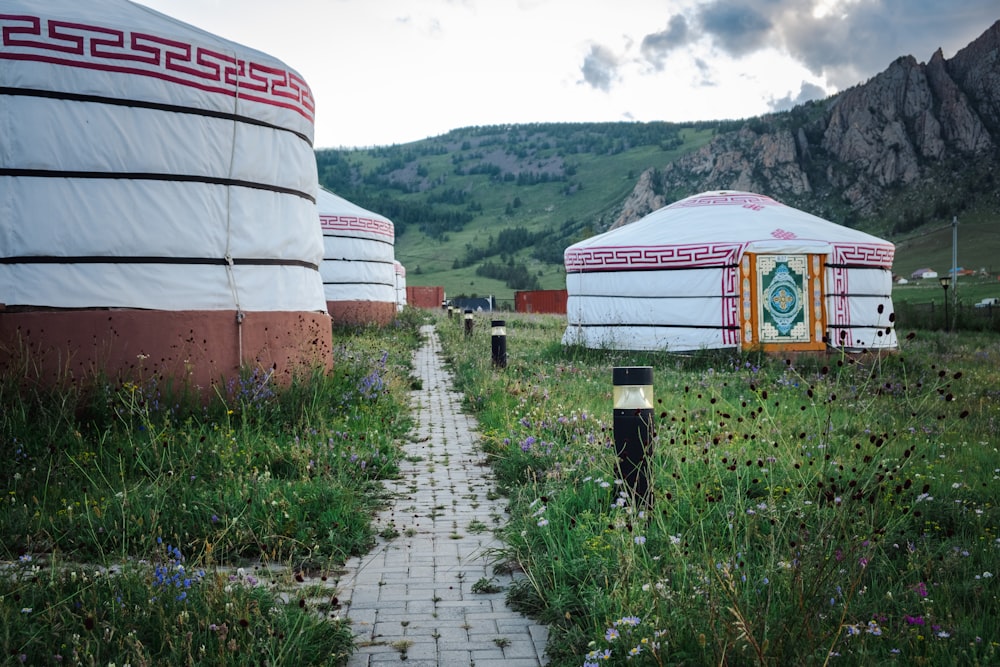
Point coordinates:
[[498, 329], [633, 430], [945, 283], [469, 323], [451, 311]]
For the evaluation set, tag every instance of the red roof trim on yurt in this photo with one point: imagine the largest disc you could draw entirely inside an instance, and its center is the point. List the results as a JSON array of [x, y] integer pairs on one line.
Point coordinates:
[[867, 255], [350, 223], [631, 258], [144, 54], [742, 199]]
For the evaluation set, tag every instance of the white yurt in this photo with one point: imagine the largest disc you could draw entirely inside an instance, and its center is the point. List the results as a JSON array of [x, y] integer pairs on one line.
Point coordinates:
[[157, 199], [730, 270], [359, 263], [400, 286]]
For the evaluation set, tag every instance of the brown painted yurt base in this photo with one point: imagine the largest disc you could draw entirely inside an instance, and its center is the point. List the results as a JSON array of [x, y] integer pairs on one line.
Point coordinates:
[[196, 349], [353, 313]]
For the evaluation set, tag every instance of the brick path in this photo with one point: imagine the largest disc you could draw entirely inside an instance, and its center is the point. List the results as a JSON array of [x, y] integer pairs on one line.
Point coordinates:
[[411, 598]]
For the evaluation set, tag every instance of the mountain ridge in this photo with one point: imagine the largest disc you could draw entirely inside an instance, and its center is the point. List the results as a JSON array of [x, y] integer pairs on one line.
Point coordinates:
[[902, 152]]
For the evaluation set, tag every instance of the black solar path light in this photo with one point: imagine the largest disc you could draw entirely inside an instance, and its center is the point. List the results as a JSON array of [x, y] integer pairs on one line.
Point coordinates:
[[469, 322], [633, 430], [498, 329]]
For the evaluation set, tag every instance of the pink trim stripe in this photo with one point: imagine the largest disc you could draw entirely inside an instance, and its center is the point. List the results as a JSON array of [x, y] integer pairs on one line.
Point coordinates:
[[628, 258], [868, 254], [353, 223], [746, 200], [33, 38]]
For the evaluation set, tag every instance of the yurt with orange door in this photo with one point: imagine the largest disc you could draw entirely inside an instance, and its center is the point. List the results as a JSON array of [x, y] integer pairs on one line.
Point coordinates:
[[359, 263], [730, 270], [157, 199]]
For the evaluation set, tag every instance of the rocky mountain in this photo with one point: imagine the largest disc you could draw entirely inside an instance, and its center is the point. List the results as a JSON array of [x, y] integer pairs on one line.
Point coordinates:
[[914, 128]]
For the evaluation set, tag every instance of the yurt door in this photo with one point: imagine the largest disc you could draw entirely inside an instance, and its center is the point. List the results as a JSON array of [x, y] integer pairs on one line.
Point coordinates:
[[782, 302]]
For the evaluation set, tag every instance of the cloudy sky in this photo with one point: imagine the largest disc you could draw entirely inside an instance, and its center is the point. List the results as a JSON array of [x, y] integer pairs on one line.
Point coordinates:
[[392, 71]]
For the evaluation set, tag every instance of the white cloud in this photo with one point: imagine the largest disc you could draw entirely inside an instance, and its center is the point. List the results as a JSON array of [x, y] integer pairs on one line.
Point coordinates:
[[393, 71]]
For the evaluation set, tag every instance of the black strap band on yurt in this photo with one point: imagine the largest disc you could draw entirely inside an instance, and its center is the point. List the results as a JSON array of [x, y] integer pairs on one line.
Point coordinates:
[[355, 237], [151, 176], [210, 261], [139, 104]]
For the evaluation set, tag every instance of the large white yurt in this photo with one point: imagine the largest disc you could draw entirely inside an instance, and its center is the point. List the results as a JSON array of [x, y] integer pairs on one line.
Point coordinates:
[[359, 263], [157, 199], [730, 270], [400, 286]]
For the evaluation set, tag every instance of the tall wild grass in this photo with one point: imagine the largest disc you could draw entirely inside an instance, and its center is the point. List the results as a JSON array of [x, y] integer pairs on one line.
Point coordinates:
[[139, 527], [810, 510]]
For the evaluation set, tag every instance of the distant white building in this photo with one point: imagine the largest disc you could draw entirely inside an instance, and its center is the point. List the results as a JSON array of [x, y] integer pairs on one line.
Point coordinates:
[[923, 273]]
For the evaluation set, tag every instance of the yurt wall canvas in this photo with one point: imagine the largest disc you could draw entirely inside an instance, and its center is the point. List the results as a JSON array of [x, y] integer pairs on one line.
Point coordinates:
[[730, 269], [157, 198], [359, 264], [400, 286]]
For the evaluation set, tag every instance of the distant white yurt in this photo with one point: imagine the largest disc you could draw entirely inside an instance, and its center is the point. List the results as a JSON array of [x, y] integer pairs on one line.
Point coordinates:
[[157, 199], [400, 286], [359, 263], [730, 270]]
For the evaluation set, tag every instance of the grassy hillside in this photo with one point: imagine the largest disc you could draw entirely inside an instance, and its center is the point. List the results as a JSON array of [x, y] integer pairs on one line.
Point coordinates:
[[489, 210]]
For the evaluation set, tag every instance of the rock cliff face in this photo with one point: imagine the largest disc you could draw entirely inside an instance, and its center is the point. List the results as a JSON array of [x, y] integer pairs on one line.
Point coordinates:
[[895, 131]]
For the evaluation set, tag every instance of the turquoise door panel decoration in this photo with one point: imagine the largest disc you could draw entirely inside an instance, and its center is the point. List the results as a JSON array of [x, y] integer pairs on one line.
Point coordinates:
[[783, 315]]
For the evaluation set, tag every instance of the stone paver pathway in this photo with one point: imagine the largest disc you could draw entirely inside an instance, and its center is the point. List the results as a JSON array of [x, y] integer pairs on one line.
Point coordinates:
[[412, 597]]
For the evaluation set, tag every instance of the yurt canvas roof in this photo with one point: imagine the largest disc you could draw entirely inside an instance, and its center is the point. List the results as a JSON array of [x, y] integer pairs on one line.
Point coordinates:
[[340, 217], [359, 256], [154, 165], [747, 221], [672, 280]]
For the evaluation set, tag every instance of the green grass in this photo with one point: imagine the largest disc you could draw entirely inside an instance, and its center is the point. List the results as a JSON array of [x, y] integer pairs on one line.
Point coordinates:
[[808, 511], [131, 518], [607, 180]]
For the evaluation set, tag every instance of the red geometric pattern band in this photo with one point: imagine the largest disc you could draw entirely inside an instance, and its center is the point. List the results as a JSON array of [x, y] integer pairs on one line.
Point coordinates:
[[34, 38], [353, 223], [652, 257]]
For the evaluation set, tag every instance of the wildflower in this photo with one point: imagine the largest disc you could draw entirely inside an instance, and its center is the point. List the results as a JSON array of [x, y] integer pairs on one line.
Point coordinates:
[[543, 522], [874, 629], [611, 634], [943, 634], [640, 539], [913, 620], [634, 651], [628, 620]]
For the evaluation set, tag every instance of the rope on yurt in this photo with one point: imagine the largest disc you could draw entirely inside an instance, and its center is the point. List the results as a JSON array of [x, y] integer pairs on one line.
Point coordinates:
[[230, 274]]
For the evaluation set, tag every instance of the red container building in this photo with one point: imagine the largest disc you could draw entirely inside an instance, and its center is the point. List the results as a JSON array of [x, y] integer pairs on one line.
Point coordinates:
[[541, 301], [424, 297]]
